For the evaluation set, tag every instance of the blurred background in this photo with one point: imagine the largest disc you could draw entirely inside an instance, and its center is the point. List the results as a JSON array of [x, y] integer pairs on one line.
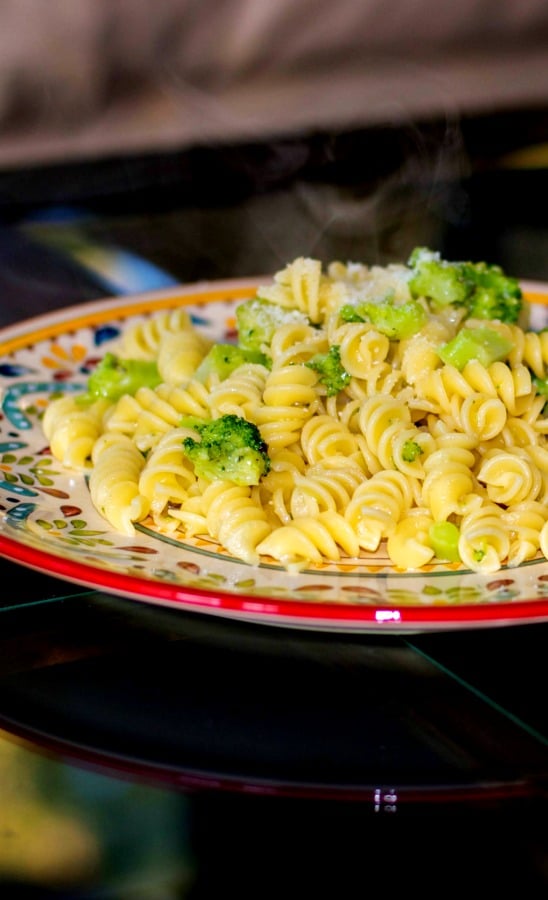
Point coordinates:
[[218, 139]]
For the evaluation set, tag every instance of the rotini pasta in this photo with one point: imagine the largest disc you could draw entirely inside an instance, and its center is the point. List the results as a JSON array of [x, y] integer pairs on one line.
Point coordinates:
[[288, 401], [450, 487], [179, 355], [301, 285], [525, 522], [151, 413], [377, 505], [409, 544], [233, 515], [72, 429], [382, 415], [310, 538], [295, 343], [322, 437], [361, 347], [167, 475], [145, 417], [484, 541], [142, 341], [114, 481], [241, 393], [327, 485]]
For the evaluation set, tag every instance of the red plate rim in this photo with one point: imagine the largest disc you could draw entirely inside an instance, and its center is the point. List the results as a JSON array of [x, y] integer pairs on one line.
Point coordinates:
[[247, 606]]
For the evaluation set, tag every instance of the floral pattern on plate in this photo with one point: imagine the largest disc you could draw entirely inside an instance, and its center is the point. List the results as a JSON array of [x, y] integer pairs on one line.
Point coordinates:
[[48, 521]]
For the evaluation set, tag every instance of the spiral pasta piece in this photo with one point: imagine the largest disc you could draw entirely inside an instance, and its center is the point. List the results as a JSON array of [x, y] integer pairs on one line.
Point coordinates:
[[449, 486], [380, 420], [141, 341], [310, 539], [361, 346], [525, 522], [235, 517], [377, 505], [299, 286], [296, 343], [276, 488], [151, 413], [535, 416], [409, 545], [532, 348], [180, 353], [543, 540], [114, 482], [511, 385], [380, 378], [239, 394], [539, 456], [289, 401], [479, 415], [167, 474], [192, 399], [519, 433], [72, 429], [417, 356], [529, 348], [329, 484], [321, 437], [510, 476], [484, 541], [440, 386], [409, 450], [145, 417]]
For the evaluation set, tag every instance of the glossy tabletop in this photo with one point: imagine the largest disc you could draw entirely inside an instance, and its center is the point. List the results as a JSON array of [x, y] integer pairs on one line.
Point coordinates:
[[147, 752]]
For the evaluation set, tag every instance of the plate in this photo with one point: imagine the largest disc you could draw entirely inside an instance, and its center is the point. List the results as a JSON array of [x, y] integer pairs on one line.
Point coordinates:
[[49, 524]]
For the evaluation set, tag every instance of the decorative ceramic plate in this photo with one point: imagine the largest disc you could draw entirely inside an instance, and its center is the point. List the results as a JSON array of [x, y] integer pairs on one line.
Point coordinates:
[[48, 522]]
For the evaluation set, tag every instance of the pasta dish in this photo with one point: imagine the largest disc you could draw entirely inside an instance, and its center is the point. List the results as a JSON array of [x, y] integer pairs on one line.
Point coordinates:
[[358, 407]]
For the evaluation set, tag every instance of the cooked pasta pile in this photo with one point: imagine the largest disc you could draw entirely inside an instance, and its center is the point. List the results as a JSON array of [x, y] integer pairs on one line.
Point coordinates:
[[406, 451]]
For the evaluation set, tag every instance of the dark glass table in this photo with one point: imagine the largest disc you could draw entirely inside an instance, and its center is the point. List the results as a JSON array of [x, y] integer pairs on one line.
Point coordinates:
[[152, 753]]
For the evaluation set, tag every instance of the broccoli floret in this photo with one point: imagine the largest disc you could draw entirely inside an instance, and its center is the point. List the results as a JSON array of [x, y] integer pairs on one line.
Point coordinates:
[[396, 321], [495, 295], [258, 319], [484, 290], [230, 448], [222, 359], [115, 377], [411, 450], [330, 370], [350, 312], [444, 283], [483, 344]]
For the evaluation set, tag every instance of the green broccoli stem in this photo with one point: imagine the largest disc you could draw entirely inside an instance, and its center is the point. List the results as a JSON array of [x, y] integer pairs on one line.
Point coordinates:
[[114, 377], [483, 344]]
